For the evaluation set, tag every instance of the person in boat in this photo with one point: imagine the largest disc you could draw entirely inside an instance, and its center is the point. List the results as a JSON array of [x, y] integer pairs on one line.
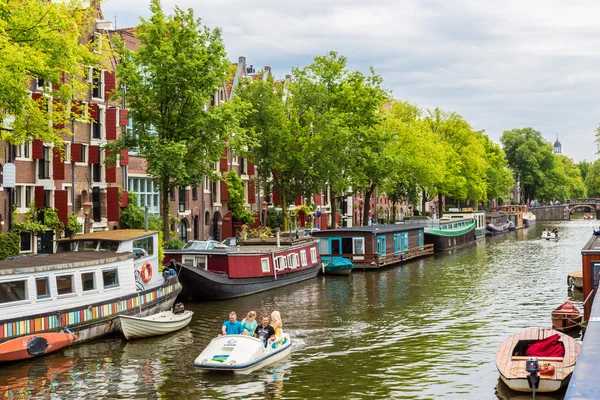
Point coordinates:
[[249, 323], [265, 331], [545, 233], [276, 323], [232, 326], [555, 232], [597, 233]]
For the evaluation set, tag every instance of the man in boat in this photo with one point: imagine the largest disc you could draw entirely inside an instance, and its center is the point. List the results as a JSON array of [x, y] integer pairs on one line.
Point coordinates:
[[232, 326], [265, 331]]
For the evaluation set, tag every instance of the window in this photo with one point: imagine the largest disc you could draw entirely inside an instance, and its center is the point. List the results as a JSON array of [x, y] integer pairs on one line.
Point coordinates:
[[359, 248], [289, 261], [13, 291], [295, 263], [324, 245], [107, 245], [195, 261], [23, 151], [420, 238], [381, 245], [264, 262], [67, 150], [83, 153], [183, 230], [147, 193], [110, 278], [42, 287], [64, 284], [28, 195], [48, 198], [97, 125], [97, 79], [182, 200], [41, 84], [172, 194], [313, 255], [147, 244], [65, 247], [303, 258], [18, 197], [88, 245], [44, 164], [194, 193]]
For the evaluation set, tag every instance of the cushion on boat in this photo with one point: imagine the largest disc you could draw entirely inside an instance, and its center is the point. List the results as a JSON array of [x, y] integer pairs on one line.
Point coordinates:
[[548, 347]]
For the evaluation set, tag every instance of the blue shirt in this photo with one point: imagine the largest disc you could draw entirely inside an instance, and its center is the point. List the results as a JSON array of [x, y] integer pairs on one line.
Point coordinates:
[[233, 329]]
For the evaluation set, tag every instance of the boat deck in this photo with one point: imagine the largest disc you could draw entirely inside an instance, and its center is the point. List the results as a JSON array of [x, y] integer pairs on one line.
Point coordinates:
[[513, 367]]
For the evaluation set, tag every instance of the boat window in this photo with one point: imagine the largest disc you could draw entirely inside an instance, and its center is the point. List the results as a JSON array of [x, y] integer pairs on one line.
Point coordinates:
[[324, 245], [290, 263], [302, 258], [188, 261], [201, 262], [88, 245], [65, 247], [313, 254], [42, 287], [197, 245], [146, 244], [110, 277], [88, 281], [13, 291], [264, 262], [346, 245], [65, 284], [108, 245]]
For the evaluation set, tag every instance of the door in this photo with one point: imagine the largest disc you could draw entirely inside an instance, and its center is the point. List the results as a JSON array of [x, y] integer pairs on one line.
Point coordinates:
[[420, 238], [381, 246], [44, 242], [335, 246]]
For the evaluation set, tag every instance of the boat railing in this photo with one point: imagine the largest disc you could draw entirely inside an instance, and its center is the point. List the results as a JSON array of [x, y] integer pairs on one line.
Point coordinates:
[[376, 260]]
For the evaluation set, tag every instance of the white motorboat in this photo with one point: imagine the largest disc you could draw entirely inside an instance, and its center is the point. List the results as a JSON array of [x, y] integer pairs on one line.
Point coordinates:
[[154, 325], [241, 354], [550, 235]]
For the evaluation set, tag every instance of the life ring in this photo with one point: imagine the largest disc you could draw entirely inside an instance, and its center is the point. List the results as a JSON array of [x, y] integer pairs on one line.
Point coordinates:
[[146, 272]]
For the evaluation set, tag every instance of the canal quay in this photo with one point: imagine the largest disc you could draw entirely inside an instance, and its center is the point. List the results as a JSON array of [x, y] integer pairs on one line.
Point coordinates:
[[426, 330]]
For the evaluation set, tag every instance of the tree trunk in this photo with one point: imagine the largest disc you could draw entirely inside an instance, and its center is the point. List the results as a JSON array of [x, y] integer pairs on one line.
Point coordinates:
[[164, 203], [367, 206], [284, 209], [394, 211], [424, 200], [440, 205], [333, 210]]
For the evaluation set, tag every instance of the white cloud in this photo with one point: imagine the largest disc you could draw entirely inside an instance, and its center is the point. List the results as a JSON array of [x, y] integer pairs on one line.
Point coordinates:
[[500, 64]]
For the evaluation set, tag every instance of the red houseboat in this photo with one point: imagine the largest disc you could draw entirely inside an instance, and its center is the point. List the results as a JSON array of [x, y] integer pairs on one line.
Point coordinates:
[[224, 273]]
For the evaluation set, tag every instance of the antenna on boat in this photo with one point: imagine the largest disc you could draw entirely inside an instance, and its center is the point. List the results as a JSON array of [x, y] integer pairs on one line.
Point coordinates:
[[146, 217]]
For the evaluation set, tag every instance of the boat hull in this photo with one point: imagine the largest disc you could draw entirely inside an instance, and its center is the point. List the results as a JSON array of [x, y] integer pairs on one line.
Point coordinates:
[[492, 229], [575, 279], [154, 325], [528, 222], [202, 285], [344, 272], [443, 242], [25, 347], [546, 385]]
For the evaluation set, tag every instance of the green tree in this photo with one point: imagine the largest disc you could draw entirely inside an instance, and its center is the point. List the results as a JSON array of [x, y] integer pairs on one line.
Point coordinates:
[[168, 82], [499, 177], [584, 167], [237, 198], [592, 179], [42, 39]]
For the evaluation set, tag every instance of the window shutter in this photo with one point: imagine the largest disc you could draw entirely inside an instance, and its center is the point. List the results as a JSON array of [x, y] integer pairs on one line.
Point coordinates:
[[124, 198], [76, 152], [58, 165], [251, 192], [109, 83], [60, 203], [94, 157], [124, 120], [250, 168], [37, 149], [111, 170], [39, 197], [37, 97], [93, 111], [224, 192], [124, 157], [111, 124], [112, 204]]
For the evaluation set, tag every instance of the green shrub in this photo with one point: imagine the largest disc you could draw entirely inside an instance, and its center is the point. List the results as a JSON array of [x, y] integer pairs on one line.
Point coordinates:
[[10, 245], [174, 244]]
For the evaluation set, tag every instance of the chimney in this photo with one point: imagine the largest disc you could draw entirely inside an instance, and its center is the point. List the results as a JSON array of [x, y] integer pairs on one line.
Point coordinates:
[[268, 70]]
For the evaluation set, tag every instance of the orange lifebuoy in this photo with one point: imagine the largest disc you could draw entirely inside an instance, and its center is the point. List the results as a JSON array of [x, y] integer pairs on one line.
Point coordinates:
[[146, 272]]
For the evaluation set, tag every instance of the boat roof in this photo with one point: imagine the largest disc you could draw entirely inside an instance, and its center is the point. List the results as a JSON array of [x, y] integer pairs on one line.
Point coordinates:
[[592, 246], [374, 229], [495, 214], [119, 235], [48, 262]]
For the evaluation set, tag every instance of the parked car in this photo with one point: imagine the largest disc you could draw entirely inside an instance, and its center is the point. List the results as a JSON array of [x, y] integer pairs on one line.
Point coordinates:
[[230, 241], [203, 245]]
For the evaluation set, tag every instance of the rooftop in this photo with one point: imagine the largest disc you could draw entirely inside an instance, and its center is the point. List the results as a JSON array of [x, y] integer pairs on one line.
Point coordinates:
[[45, 262], [119, 235]]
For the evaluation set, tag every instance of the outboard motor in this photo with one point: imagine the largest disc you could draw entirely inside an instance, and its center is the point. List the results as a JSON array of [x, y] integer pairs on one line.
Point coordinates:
[[532, 367], [178, 308]]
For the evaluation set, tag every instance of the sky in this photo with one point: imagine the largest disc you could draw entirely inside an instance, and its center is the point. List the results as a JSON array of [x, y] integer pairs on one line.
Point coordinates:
[[500, 64]]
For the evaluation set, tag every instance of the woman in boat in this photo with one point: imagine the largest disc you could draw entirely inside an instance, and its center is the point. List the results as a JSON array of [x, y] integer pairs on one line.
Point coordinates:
[[277, 324], [249, 323]]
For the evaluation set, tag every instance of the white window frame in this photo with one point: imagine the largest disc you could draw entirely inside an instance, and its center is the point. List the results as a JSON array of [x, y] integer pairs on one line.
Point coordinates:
[[295, 261], [111, 287], [101, 83], [354, 247], [289, 261], [95, 289], [22, 149], [313, 255], [303, 258], [265, 264], [67, 152], [102, 119], [37, 296], [24, 301], [73, 286]]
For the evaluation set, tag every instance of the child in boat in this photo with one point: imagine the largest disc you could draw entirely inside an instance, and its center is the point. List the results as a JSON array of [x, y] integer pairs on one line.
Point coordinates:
[[249, 323], [277, 324]]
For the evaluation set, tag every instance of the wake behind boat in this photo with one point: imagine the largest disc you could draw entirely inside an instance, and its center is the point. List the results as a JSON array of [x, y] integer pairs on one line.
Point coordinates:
[[154, 325], [241, 354]]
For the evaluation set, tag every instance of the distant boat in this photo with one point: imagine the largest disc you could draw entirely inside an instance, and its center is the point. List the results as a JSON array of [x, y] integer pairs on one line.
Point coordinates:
[[496, 223], [337, 266], [566, 317], [529, 219], [34, 345], [588, 216], [154, 325], [575, 279], [550, 235]]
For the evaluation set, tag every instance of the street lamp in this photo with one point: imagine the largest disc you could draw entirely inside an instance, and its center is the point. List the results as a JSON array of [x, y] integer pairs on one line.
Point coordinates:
[[87, 208], [263, 207]]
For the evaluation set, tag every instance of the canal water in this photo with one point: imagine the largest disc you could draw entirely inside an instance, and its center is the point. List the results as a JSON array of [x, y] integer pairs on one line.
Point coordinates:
[[426, 330]]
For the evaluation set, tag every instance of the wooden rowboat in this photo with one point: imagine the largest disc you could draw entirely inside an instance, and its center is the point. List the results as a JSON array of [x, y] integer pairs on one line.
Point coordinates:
[[154, 325], [566, 317], [34, 345], [554, 372]]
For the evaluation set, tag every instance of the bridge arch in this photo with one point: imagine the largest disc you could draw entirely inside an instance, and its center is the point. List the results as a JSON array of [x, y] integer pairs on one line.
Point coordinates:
[[588, 207]]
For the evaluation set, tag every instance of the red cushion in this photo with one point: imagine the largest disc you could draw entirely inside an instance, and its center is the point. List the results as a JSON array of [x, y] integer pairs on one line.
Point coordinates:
[[548, 347]]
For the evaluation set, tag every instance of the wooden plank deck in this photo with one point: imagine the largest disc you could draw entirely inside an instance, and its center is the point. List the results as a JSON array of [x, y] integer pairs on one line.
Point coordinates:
[[375, 261]]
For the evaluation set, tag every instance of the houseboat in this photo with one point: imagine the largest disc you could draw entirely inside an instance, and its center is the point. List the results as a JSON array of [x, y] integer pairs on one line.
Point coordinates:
[[224, 273], [529, 219], [446, 233], [515, 215], [84, 286], [590, 268], [496, 223], [468, 213], [375, 246]]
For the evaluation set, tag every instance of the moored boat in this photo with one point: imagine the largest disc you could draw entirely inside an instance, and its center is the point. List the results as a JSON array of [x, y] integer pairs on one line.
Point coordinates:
[[241, 354], [216, 274], [89, 281], [496, 223], [34, 345], [566, 317], [539, 359], [468, 213], [337, 266], [448, 233], [575, 279], [154, 325], [550, 235], [529, 219]]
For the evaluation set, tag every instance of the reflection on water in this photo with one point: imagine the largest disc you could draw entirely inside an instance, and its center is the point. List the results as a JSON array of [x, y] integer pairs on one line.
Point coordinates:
[[429, 329]]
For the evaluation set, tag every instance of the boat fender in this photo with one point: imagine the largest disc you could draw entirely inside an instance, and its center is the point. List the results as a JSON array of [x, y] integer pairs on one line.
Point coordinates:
[[547, 369], [36, 346], [146, 272]]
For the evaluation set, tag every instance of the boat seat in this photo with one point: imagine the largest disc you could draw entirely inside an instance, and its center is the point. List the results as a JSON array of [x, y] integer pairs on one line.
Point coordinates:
[[525, 358]]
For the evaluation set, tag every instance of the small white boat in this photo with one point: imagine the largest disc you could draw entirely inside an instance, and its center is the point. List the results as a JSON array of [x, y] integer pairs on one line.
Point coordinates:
[[154, 325], [241, 354], [550, 235]]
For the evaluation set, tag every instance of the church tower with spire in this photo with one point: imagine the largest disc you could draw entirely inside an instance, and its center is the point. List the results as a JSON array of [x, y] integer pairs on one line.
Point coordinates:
[[557, 146]]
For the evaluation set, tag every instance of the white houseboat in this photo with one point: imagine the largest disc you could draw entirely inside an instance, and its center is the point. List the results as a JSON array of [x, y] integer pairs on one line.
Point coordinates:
[[84, 286]]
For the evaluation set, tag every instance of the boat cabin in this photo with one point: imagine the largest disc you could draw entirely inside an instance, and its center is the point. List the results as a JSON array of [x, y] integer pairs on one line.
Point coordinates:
[[374, 246], [468, 213], [446, 233], [515, 214], [590, 266]]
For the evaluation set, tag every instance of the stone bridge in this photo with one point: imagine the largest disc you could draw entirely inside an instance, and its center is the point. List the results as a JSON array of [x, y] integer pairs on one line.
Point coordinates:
[[563, 212]]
